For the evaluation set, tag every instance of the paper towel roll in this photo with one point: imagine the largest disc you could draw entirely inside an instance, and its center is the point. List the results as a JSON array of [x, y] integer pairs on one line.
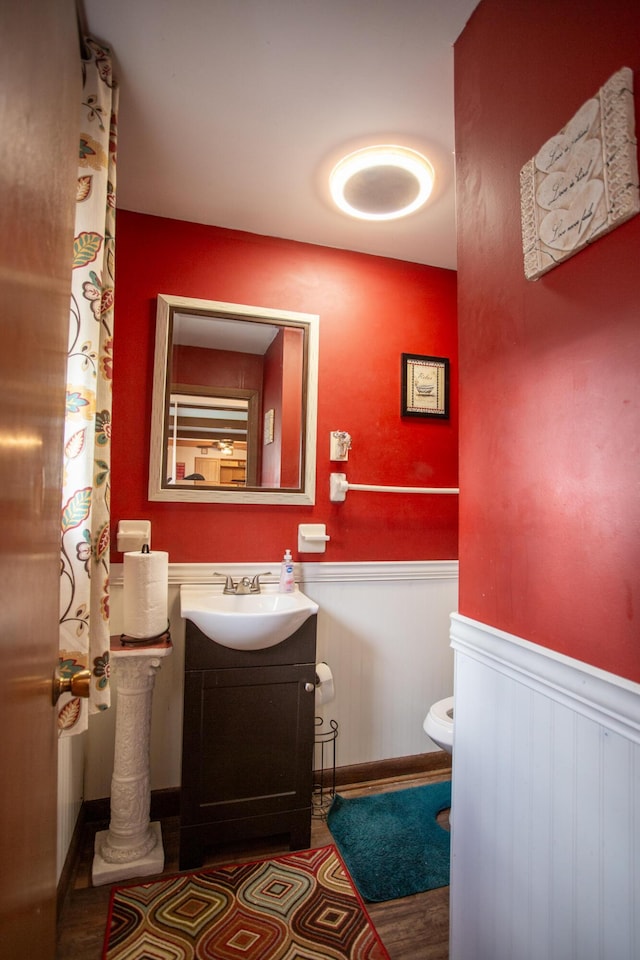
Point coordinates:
[[145, 593], [325, 690]]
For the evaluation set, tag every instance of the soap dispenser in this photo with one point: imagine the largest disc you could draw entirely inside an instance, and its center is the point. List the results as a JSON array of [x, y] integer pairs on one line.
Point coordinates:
[[287, 582]]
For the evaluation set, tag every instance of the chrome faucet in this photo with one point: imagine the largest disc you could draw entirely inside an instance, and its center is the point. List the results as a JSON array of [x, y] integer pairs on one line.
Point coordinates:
[[244, 585], [255, 583]]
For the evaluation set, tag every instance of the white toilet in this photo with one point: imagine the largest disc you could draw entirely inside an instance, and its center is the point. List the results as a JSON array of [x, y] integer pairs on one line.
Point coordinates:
[[438, 724]]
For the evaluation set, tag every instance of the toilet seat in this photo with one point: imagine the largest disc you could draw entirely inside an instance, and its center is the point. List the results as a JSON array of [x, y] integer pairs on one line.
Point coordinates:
[[442, 711], [438, 724]]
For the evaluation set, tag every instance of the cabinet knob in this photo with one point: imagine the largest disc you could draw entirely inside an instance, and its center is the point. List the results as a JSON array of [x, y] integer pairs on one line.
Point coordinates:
[[309, 687]]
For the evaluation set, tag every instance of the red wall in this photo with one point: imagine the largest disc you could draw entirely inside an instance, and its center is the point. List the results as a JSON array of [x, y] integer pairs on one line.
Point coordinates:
[[549, 371], [371, 310], [219, 368], [283, 393]]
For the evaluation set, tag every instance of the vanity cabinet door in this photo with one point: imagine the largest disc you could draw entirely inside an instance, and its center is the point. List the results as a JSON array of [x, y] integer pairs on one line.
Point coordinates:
[[248, 742]]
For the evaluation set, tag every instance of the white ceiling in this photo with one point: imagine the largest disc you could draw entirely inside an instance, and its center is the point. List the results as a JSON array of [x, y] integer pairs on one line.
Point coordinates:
[[233, 112], [238, 336]]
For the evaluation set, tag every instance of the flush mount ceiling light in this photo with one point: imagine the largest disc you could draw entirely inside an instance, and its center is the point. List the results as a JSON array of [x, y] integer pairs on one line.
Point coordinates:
[[225, 447], [381, 183]]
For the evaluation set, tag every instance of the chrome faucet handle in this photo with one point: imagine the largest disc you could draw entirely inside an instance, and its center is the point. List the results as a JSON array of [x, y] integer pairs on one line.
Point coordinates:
[[229, 585], [255, 583]]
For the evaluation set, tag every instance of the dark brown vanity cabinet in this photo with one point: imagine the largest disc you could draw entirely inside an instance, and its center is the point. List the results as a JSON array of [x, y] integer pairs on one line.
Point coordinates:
[[247, 742]]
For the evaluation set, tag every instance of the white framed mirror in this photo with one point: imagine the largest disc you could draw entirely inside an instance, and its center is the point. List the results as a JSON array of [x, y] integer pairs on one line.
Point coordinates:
[[235, 395]]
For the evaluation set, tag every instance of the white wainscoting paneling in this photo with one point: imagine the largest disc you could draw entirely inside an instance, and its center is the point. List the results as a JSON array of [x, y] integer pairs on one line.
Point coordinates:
[[382, 627], [71, 756], [546, 793]]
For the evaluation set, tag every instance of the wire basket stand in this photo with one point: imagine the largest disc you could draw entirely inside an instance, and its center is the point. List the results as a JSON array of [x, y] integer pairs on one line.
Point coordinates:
[[324, 767]]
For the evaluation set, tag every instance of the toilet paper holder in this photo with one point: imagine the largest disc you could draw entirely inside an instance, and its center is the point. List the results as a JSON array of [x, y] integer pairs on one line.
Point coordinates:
[[161, 638], [325, 690]]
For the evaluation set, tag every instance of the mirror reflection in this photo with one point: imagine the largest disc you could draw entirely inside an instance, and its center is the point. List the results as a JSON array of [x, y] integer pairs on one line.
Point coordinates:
[[208, 440], [234, 403]]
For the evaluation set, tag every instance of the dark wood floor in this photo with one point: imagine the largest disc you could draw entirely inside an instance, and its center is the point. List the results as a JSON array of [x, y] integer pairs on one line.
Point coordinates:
[[414, 928]]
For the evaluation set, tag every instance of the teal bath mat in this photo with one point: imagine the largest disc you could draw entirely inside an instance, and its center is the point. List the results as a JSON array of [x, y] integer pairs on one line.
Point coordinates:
[[391, 842]]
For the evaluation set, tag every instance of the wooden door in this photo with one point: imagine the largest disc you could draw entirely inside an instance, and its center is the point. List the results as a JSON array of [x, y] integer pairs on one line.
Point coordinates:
[[208, 468], [41, 87]]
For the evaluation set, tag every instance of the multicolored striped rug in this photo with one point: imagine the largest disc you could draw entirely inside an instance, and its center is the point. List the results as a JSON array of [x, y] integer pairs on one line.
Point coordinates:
[[296, 907]]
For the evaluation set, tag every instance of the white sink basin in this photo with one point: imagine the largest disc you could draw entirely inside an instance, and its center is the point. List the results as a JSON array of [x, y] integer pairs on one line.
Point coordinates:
[[245, 621]]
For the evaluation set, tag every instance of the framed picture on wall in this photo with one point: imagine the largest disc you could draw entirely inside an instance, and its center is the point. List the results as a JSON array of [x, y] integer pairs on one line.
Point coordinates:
[[425, 386]]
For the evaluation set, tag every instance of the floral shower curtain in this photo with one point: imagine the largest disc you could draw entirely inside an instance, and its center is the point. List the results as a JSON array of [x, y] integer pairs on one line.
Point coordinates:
[[85, 530]]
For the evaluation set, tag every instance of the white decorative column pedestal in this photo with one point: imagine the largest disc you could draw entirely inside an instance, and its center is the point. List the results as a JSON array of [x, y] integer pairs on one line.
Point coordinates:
[[132, 846]]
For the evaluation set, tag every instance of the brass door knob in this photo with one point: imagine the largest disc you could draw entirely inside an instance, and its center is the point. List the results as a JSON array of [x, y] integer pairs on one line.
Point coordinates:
[[77, 685]]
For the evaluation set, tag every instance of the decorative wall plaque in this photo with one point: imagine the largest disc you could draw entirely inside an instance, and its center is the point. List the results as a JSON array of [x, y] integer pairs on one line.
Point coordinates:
[[584, 181]]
